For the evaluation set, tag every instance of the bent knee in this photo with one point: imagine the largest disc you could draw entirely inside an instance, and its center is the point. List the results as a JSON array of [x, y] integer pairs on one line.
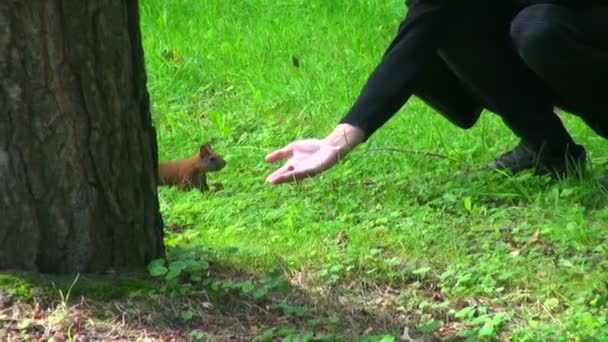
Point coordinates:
[[537, 31]]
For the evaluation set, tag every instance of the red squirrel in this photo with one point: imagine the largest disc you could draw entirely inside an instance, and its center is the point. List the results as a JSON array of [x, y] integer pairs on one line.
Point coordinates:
[[191, 172]]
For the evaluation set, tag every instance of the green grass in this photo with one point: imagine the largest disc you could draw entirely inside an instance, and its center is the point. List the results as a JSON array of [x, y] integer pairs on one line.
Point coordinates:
[[528, 254], [26, 286]]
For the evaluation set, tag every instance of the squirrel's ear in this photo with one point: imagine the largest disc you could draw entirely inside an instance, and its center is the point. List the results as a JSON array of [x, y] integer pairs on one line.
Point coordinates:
[[204, 150]]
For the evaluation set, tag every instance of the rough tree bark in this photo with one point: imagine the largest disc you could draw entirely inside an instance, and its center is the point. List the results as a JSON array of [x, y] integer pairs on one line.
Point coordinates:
[[77, 146]]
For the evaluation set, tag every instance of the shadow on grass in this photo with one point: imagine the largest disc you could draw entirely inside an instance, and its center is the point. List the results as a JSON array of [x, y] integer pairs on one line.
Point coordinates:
[[131, 307]]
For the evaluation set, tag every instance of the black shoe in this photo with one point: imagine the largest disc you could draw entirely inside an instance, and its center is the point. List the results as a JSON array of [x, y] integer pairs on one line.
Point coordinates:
[[519, 159], [523, 158]]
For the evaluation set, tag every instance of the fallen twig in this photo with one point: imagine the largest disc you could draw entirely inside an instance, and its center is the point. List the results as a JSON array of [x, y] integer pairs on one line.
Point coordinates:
[[394, 149]]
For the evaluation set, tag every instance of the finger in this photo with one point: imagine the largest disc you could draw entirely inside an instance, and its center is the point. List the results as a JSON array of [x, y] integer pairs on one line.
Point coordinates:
[[280, 154], [288, 175], [282, 178], [278, 173]]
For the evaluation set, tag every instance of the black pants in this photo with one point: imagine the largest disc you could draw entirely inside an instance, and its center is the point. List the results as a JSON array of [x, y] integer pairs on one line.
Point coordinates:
[[569, 51], [480, 57]]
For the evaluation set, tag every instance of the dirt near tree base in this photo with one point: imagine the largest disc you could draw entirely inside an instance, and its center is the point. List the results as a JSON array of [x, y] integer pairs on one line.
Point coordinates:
[[149, 320], [317, 313]]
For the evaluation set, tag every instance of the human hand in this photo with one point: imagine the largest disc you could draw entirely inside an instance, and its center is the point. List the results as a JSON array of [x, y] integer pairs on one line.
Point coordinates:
[[309, 157], [306, 158]]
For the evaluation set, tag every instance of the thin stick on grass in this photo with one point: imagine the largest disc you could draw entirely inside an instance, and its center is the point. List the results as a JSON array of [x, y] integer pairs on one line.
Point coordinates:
[[395, 149]]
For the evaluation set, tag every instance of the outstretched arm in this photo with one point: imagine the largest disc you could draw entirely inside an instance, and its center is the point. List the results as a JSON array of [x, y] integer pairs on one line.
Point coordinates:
[[410, 54], [387, 89]]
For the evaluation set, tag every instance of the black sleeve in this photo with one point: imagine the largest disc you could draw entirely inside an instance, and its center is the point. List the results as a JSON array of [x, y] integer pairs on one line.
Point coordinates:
[[393, 81]]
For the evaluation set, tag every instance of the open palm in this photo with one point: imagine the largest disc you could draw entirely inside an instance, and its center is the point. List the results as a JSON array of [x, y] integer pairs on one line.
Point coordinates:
[[306, 158]]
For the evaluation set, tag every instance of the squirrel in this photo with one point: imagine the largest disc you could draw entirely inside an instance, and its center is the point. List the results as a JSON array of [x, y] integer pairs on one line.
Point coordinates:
[[191, 172]]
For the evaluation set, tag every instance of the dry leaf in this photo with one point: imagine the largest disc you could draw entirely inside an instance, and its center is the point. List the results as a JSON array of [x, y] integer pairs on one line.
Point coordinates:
[[295, 61], [534, 236], [499, 309], [386, 305], [218, 187], [177, 58], [445, 330], [342, 237]]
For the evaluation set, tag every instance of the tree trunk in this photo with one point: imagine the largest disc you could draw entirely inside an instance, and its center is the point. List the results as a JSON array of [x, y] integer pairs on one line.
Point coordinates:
[[78, 151]]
